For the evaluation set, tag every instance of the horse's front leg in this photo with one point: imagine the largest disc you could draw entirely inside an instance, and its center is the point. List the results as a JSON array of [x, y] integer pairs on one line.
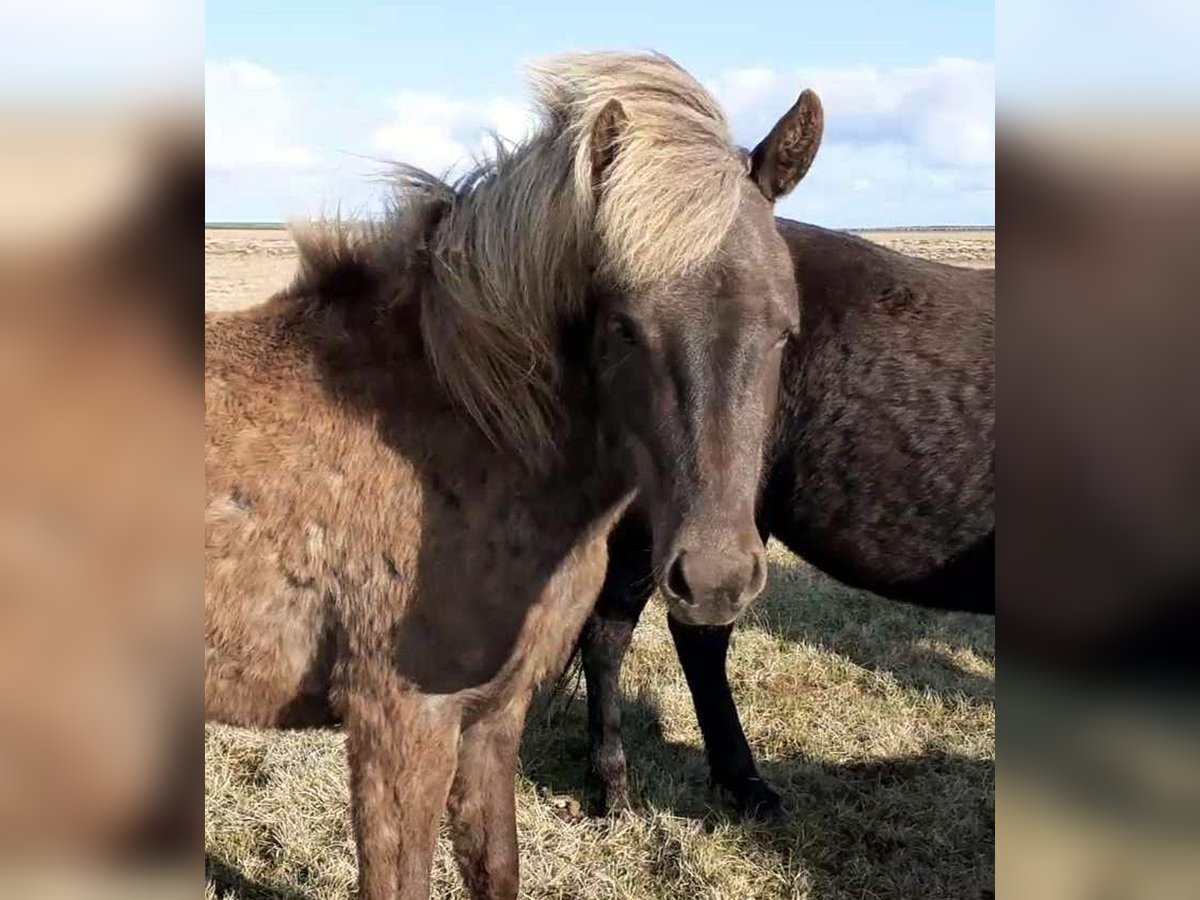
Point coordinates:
[[483, 804], [702, 650], [402, 749], [603, 644]]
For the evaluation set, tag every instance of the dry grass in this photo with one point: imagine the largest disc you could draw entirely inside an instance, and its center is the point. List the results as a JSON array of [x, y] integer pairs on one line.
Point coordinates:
[[245, 265], [876, 720], [973, 248]]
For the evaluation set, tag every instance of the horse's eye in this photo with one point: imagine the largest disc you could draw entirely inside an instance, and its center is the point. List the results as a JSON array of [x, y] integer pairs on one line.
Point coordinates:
[[788, 334], [622, 327]]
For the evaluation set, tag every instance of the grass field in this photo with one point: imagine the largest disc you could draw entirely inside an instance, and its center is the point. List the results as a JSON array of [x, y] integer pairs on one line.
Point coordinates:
[[875, 720]]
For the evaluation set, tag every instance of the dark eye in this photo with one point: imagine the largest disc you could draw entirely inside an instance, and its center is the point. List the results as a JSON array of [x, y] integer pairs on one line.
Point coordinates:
[[622, 328], [787, 335]]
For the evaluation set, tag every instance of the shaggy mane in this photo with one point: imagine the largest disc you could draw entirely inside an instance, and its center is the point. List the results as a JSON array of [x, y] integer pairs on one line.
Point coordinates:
[[519, 238]]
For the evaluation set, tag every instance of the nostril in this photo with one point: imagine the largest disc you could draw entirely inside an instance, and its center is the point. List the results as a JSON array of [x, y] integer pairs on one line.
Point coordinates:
[[676, 582]]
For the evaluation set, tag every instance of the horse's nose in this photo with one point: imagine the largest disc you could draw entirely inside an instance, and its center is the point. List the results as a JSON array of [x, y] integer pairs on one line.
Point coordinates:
[[712, 587]]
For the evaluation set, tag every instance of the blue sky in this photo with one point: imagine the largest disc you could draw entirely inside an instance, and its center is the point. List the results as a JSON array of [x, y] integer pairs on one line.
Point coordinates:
[[304, 100]]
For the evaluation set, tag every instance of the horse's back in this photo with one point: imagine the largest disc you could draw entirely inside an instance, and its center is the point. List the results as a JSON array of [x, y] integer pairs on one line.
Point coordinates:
[[882, 471]]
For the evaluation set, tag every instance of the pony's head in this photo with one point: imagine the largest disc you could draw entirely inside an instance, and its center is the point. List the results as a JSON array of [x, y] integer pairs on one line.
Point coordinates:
[[694, 298]]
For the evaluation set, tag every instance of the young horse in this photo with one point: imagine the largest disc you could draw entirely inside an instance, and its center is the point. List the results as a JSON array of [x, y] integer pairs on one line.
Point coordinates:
[[416, 453], [879, 472]]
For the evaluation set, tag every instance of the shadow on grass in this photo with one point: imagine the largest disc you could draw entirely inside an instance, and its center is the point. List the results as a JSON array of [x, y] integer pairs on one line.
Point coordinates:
[[803, 605], [230, 883], [920, 826]]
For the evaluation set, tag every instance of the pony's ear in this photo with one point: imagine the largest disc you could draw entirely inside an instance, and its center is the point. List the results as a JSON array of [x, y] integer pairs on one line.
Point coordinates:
[[780, 161], [606, 138]]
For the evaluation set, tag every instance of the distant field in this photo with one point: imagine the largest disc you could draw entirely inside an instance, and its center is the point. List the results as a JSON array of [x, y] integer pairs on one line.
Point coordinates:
[[971, 247], [245, 226], [876, 721], [244, 264]]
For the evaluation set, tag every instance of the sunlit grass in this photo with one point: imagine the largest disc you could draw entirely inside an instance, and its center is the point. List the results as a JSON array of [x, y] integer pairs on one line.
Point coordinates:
[[874, 719]]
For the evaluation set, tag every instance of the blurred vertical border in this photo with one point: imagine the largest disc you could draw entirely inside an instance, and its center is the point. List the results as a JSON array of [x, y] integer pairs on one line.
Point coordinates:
[[101, 274], [1098, 202]]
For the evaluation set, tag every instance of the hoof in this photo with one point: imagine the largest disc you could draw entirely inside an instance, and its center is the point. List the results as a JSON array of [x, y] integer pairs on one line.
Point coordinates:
[[756, 799], [616, 801]]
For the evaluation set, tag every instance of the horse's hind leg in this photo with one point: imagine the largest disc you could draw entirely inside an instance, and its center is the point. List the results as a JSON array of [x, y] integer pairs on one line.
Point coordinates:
[[482, 805], [402, 749], [702, 651], [603, 644]]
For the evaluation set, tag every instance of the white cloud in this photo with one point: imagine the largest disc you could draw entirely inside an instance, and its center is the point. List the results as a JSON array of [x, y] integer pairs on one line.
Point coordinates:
[[742, 90], [250, 119], [901, 146], [442, 134], [944, 112], [863, 185]]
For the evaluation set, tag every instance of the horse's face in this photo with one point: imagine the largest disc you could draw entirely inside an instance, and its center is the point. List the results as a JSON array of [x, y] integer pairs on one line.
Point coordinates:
[[689, 373]]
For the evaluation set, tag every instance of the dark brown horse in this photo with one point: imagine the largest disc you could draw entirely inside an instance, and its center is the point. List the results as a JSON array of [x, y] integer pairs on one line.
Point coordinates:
[[879, 472], [417, 452]]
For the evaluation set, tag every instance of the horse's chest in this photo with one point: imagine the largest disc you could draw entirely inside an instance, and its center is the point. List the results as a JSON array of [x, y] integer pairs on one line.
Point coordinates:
[[493, 619], [498, 584]]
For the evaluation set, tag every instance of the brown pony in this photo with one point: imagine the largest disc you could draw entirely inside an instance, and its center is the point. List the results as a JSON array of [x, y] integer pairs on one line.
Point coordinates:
[[416, 453]]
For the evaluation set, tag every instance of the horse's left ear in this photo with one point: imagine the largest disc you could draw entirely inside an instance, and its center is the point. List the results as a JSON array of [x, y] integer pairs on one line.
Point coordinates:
[[780, 161], [605, 139]]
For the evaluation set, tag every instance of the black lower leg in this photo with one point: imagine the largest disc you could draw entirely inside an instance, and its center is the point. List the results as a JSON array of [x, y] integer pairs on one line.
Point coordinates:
[[702, 651]]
